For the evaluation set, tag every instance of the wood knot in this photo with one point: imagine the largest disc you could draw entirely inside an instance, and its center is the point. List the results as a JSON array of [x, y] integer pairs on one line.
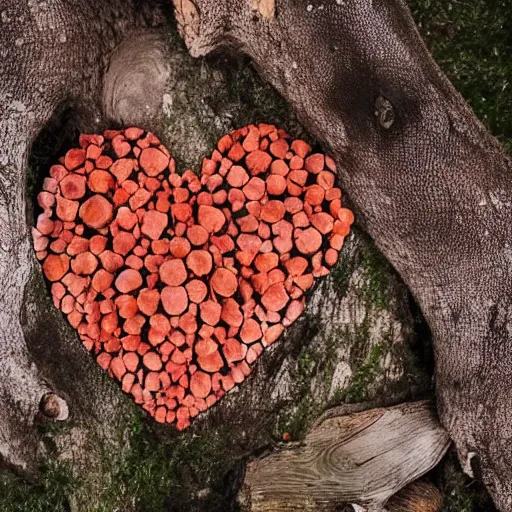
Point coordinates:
[[54, 407], [267, 8], [384, 112], [134, 83]]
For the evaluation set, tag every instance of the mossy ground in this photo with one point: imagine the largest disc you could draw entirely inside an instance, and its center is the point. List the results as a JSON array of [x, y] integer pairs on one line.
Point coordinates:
[[472, 43], [461, 493], [49, 494], [200, 469]]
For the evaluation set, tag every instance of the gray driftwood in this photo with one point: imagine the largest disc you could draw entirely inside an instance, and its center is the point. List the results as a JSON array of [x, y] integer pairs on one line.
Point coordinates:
[[428, 182], [362, 458]]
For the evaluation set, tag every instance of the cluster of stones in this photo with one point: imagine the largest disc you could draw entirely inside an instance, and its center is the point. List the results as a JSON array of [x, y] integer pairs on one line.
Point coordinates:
[[177, 283]]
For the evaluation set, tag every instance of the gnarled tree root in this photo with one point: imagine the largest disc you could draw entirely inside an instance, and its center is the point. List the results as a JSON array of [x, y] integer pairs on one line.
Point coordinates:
[[427, 181]]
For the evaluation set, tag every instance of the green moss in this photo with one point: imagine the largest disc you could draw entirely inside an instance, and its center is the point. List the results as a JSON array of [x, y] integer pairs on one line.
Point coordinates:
[[167, 471], [467, 499], [376, 279], [461, 493], [471, 42], [50, 493], [365, 375], [308, 404], [458, 502], [297, 423], [358, 341], [312, 377], [341, 274]]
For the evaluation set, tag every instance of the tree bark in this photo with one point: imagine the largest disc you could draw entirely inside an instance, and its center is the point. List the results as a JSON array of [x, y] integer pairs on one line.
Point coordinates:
[[343, 345], [61, 55], [53, 55], [429, 184]]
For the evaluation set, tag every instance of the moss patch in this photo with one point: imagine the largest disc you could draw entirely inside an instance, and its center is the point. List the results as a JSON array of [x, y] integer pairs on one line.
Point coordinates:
[[472, 44], [307, 400], [199, 469], [50, 493], [365, 375], [376, 279]]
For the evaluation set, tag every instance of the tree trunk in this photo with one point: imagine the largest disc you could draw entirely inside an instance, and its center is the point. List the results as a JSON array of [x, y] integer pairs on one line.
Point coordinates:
[[430, 185], [68, 55], [352, 343], [53, 55]]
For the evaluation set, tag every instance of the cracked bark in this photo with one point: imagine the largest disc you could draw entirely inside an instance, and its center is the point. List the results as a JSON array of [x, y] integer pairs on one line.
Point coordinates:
[[17, 372], [429, 184]]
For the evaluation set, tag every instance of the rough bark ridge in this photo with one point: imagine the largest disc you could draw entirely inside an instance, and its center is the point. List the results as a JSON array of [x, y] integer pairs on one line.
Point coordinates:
[[52, 54], [431, 186]]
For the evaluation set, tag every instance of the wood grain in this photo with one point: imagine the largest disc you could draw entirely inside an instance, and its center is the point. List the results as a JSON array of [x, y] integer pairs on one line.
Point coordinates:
[[362, 458]]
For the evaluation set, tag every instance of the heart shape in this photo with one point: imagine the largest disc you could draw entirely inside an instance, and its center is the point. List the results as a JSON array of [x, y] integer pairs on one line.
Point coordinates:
[[177, 283]]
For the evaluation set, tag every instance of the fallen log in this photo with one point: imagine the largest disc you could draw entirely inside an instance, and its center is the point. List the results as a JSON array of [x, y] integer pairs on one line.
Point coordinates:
[[361, 459]]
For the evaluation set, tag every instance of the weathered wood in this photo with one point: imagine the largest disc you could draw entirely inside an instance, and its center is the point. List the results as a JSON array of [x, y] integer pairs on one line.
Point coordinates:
[[362, 458]]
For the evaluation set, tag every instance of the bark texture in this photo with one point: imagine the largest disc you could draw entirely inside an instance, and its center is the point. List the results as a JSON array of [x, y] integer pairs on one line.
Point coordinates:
[[53, 55], [430, 185]]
